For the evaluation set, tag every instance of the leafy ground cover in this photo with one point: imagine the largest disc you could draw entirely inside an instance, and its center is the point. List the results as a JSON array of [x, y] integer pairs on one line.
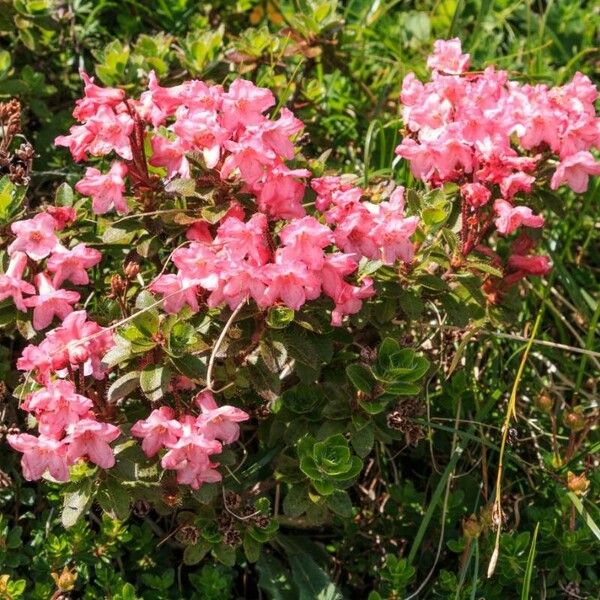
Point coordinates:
[[491, 468]]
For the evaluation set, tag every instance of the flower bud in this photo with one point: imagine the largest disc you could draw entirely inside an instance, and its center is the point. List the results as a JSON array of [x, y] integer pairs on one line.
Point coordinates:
[[117, 285], [65, 581], [578, 484], [472, 527], [574, 419], [131, 270], [545, 402]]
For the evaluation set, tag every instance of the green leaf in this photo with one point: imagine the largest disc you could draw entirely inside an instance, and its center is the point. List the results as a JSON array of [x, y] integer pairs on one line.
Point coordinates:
[[312, 581], [361, 377], [252, 548], [113, 499], [339, 502], [154, 380], [64, 195], [362, 440], [279, 317], [192, 555], [75, 503], [116, 355], [123, 386], [296, 501]]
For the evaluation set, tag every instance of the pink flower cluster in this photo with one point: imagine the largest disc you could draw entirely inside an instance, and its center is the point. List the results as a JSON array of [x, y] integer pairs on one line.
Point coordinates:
[[68, 431], [190, 442], [239, 262], [36, 240], [227, 129], [76, 342], [493, 135], [240, 258]]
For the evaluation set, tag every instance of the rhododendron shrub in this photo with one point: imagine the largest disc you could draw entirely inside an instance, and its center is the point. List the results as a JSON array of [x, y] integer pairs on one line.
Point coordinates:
[[217, 314]]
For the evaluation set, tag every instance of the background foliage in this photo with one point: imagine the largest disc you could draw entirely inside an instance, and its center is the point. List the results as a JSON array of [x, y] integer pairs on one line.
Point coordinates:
[[421, 520]]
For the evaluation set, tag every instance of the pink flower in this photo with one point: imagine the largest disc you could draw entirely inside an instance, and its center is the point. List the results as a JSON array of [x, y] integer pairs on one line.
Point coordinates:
[[219, 422], [57, 406], [40, 454], [177, 291], [250, 156], [158, 103], [476, 194], [280, 196], [244, 104], [76, 342], [171, 155], [510, 218], [201, 131], [305, 239], [243, 240], [190, 456], [73, 265], [91, 438], [104, 132], [289, 281], [514, 183], [62, 215], [95, 96], [49, 302], [36, 237], [349, 300], [11, 282], [533, 264], [575, 171], [447, 57], [158, 430], [106, 190], [276, 134]]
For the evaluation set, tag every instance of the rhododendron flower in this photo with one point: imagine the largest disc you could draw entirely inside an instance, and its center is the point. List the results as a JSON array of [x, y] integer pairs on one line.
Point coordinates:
[[305, 239], [11, 282], [575, 171], [76, 341], [36, 237], [219, 422], [289, 281], [244, 103], [250, 156], [200, 130], [57, 406], [40, 454], [475, 194], [160, 429], [514, 183], [177, 291], [190, 457], [280, 196], [245, 239], [510, 217], [90, 438], [50, 302], [72, 265], [532, 264], [106, 190], [447, 57], [158, 102], [95, 96], [62, 215], [276, 134], [102, 133], [349, 300], [170, 155]]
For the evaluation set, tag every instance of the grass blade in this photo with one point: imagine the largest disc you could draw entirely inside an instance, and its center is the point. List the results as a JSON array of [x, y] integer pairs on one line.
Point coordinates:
[[529, 569]]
